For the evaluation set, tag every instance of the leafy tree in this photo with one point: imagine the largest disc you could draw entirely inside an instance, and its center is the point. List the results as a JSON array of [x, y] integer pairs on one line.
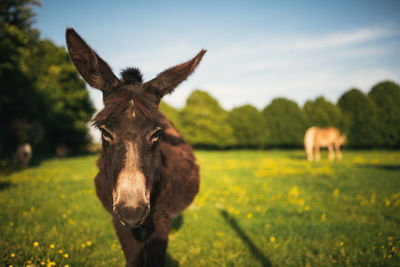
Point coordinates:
[[64, 94], [249, 129], [361, 120], [204, 122], [286, 123], [43, 101], [322, 113], [16, 32], [386, 96], [172, 114], [18, 97]]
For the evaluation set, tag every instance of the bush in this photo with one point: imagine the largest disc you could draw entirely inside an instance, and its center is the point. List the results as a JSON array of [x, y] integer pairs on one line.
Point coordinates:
[[360, 119], [204, 122], [249, 129], [386, 96], [285, 122]]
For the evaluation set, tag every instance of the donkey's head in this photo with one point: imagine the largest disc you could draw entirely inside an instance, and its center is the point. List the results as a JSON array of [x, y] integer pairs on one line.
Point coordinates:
[[131, 126]]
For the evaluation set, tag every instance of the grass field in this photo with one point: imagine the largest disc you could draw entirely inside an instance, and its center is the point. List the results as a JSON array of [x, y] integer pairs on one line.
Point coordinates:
[[255, 208]]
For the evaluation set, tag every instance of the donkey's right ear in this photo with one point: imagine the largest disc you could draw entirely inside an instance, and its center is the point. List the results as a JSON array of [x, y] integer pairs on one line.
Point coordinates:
[[93, 68]]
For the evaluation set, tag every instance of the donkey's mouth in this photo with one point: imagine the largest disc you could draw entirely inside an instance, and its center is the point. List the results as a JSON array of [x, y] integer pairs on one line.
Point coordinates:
[[128, 218]]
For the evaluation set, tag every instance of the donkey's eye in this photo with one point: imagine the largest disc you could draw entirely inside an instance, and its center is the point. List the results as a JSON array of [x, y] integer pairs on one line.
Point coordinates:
[[155, 136], [106, 135]]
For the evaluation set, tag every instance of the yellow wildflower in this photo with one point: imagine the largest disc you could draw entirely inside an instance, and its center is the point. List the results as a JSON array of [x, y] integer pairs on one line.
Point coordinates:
[[294, 192], [249, 215], [60, 251], [89, 243], [323, 217], [12, 255], [341, 243], [336, 192], [272, 239], [52, 246], [83, 245], [35, 244], [66, 255]]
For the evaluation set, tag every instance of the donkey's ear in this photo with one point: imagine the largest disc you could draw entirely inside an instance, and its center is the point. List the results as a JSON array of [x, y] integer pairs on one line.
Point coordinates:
[[168, 80], [93, 68]]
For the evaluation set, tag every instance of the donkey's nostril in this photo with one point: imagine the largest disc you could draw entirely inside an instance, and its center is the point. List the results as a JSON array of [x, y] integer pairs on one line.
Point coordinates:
[[132, 216]]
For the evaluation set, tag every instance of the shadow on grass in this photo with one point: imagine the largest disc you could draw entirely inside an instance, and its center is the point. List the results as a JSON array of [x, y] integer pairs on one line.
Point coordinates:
[[389, 167], [5, 185], [176, 223], [171, 262], [256, 252]]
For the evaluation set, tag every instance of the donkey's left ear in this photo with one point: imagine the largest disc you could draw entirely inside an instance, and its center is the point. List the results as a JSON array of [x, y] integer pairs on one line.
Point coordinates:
[[168, 80], [91, 66]]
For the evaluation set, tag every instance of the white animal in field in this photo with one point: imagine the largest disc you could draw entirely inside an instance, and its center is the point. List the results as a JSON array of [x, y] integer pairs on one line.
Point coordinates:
[[330, 137]]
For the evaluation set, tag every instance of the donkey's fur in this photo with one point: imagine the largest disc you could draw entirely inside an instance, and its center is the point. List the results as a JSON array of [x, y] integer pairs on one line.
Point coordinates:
[[330, 137], [147, 171]]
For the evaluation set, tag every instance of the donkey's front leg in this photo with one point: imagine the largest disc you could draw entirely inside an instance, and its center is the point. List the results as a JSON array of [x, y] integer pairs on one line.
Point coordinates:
[[132, 247], [156, 244]]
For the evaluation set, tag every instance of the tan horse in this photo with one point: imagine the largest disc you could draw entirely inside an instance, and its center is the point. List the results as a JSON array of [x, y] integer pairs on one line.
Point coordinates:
[[330, 137]]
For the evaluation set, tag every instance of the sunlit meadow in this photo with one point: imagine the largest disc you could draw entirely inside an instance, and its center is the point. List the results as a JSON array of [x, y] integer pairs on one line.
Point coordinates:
[[255, 208]]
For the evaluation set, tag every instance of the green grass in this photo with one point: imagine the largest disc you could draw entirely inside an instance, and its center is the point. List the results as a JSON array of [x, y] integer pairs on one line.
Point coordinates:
[[255, 208]]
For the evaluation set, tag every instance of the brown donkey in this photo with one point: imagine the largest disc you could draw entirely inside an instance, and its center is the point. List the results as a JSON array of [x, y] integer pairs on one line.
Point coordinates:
[[147, 172]]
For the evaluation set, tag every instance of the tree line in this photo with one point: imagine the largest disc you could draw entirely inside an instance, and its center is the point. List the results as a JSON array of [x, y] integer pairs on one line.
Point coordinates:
[[369, 120], [43, 100]]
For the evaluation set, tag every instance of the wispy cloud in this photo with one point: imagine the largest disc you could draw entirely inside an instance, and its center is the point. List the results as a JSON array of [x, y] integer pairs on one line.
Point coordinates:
[[342, 39]]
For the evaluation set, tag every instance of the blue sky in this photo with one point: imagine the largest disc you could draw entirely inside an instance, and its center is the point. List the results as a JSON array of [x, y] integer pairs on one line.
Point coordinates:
[[257, 50]]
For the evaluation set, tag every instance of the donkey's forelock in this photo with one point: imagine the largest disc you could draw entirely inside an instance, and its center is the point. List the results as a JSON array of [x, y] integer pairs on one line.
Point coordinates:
[[119, 103], [131, 76]]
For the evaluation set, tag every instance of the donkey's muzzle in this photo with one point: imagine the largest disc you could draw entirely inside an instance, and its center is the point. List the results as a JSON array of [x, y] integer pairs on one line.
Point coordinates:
[[132, 217]]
